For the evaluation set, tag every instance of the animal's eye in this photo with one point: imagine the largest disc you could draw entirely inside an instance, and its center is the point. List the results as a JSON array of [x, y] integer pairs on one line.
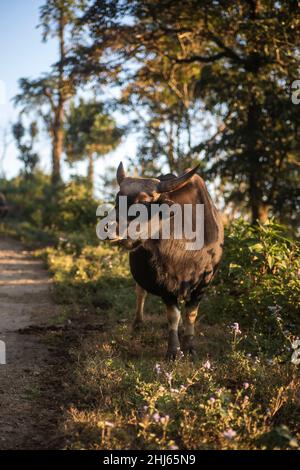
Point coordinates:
[[143, 198]]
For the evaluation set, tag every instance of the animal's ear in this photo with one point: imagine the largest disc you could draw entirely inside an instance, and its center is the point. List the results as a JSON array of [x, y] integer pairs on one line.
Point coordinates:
[[120, 173]]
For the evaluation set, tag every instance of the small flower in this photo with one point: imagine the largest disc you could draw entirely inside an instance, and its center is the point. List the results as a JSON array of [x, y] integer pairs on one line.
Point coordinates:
[[246, 399], [229, 434], [296, 357], [157, 368], [174, 390], [296, 343], [236, 328], [275, 308], [246, 385], [165, 419], [207, 365], [145, 408], [168, 377], [173, 447], [212, 400], [156, 417]]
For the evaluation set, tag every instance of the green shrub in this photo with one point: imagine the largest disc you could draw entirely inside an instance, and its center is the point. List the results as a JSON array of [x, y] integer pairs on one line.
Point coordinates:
[[258, 284], [67, 214]]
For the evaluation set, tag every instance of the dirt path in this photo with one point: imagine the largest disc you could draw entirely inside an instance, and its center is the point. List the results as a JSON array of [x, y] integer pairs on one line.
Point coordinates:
[[25, 301]]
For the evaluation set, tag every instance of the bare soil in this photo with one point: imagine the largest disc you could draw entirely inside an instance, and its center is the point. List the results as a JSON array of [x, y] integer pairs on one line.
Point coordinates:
[[28, 407]]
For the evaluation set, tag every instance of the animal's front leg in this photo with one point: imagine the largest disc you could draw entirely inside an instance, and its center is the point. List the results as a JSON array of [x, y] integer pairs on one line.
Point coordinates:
[[173, 315], [141, 295], [189, 329]]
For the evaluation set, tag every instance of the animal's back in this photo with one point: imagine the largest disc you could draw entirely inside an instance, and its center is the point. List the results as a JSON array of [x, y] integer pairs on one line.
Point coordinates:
[[170, 271]]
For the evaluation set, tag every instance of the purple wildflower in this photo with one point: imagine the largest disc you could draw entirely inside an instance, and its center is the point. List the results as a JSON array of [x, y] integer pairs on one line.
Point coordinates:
[[236, 328], [229, 434]]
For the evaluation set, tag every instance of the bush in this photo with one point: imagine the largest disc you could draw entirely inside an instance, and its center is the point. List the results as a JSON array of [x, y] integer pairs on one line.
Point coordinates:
[[258, 284], [65, 215]]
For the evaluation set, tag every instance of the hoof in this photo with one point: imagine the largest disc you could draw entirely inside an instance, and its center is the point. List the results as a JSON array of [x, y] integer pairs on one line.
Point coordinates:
[[192, 353], [137, 326], [173, 354], [189, 348]]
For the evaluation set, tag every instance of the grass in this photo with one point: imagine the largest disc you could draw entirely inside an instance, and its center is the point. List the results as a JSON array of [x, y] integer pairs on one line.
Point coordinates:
[[243, 391]]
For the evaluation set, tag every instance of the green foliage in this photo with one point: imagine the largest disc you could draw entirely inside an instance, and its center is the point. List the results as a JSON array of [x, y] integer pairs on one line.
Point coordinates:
[[74, 211], [243, 390], [65, 215], [238, 61], [26, 197], [26, 147], [258, 284], [90, 130]]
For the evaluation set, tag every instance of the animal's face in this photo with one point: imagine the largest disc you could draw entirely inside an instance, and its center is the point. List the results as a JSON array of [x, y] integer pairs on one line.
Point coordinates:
[[134, 205]]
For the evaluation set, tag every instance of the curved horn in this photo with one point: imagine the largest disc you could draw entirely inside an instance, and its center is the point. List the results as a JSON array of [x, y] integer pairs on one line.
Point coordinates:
[[175, 183], [120, 173]]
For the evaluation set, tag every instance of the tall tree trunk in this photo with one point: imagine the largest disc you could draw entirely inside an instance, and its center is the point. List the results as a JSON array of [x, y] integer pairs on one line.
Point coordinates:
[[259, 209], [57, 143], [58, 131], [90, 175]]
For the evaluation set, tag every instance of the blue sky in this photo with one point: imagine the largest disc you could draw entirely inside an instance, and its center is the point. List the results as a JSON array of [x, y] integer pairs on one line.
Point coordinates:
[[23, 54]]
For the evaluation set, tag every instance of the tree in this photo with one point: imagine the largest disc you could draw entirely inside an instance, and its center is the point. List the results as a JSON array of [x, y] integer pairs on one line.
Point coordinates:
[[238, 59], [5, 142], [26, 146], [48, 94], [90, 132]]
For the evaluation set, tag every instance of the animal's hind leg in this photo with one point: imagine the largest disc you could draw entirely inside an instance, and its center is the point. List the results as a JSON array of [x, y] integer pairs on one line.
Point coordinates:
[[173, 315], [191, 312], [141, 295]]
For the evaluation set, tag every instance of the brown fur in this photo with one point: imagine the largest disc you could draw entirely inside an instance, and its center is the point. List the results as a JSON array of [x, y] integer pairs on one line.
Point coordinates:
[[178, 269]]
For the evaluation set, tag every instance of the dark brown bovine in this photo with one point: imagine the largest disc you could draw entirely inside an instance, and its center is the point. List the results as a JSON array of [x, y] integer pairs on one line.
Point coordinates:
[[164, 267]]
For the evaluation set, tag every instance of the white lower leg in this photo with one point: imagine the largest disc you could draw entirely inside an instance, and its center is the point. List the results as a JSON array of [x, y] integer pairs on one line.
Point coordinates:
[[173, 315], [189, 328], [141, 295]]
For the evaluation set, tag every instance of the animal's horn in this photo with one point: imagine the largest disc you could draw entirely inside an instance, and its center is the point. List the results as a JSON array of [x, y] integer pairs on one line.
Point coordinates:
[[120, 173], [175, 183]]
